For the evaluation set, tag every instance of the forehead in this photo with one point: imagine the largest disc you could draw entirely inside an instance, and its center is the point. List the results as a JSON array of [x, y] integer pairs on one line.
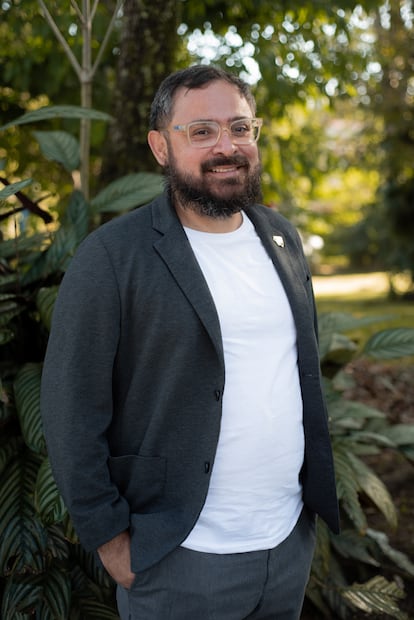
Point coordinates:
[[217, 100]]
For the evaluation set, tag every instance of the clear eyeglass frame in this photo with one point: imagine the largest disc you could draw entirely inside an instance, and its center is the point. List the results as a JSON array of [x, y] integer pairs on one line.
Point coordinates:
[[205, 134]]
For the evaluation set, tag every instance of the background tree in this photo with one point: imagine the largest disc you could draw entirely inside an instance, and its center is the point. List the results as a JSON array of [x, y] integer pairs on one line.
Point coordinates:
[[147, 53]]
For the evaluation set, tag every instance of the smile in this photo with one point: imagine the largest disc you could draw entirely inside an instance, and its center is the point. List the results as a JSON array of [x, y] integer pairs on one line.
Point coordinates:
[[225, 169]]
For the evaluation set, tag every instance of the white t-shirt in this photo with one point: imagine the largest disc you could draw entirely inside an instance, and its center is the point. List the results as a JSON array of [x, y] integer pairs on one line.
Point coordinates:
[[254, 497]]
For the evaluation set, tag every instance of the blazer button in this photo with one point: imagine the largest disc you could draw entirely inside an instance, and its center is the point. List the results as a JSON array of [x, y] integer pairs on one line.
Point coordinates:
[[206, 467]]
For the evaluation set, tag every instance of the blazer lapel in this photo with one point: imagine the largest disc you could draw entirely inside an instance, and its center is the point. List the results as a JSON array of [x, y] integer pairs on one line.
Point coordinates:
[[175, 250], [283, 253]]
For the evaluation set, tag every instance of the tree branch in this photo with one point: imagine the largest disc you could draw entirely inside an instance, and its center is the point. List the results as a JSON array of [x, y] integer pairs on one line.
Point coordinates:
[[28, 204], [72, 58], [77, 10], [106, 37]]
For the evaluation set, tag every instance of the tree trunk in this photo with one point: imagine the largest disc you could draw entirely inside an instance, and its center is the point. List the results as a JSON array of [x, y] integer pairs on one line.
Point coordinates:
[[149, 42]]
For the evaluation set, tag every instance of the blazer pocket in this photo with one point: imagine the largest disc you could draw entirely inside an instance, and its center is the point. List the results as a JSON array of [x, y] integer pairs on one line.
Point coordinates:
[[140, 479]]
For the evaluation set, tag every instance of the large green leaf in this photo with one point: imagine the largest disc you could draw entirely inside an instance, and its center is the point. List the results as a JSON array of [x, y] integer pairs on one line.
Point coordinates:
[[58, 111], [350, 544], [400, 434], [47, 499], [45, 301], [128, 192], [13, 188], [348, 486], [391, 343], [375, 489], [8, 451], [23, 540], [59, 146], [344, 322], [27, 397], [77, 215], [398, 558]]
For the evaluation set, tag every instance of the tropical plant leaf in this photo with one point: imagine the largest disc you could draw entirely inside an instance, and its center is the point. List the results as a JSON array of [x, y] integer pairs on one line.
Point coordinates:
[[336, 347], [89, 567], [58, 111], [23, 540], [9, 308], [47, 499], [400, 434], [128, 192], [8, 451], [91, 609], [59, 146], [400, 559], [46, 596], [351, 544], [13, 188], [351, 413], [6, 335], [348, 486], [76, 216], [391, 343], [374, 489], [27, 397], [376, 596], [45, 301], [22, 245], [344, 322]]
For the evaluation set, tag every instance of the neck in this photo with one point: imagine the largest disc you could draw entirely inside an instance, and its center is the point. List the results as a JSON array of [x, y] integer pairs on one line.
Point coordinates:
[[204, 223]]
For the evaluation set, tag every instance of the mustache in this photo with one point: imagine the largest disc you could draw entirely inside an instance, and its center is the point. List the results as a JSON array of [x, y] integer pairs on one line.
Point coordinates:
[[233, 160]]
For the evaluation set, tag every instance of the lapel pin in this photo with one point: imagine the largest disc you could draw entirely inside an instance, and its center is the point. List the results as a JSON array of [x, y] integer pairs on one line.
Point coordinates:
[[279, 241]]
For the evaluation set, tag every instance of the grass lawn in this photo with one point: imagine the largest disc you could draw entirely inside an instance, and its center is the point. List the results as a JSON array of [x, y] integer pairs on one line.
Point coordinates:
[[363, 295]]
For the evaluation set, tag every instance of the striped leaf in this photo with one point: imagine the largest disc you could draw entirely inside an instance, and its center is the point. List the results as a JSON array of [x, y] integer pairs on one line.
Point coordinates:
[[376, 596], [348, 487], [374, 488], [23, 539], [8, 451], [27, 397], [46, 596], [47, 499], [45, 301], [391, 343]]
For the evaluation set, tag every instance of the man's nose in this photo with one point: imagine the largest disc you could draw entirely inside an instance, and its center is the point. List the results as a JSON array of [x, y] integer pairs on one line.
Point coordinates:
[[225, 142]]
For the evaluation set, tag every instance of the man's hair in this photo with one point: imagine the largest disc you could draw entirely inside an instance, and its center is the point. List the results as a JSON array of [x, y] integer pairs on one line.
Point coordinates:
[[191, 78]]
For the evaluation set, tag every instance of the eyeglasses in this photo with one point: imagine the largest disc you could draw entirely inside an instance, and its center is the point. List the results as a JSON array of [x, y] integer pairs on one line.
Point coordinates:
[[204, 134]]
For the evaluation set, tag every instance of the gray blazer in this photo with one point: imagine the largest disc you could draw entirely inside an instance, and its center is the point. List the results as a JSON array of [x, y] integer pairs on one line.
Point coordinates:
[[134, 376]]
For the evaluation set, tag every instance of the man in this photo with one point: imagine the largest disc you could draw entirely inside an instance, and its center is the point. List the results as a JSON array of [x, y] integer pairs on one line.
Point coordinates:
[[181, 392]]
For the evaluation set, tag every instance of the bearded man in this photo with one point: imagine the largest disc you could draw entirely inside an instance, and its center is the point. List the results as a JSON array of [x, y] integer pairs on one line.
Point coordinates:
[[181, 392]]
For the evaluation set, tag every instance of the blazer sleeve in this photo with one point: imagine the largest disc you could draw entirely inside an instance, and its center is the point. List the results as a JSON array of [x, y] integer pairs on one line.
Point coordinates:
[[76, 394]]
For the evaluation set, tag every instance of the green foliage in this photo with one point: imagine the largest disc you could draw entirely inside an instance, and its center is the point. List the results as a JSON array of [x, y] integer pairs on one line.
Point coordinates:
[[338, 581], [43, 571]]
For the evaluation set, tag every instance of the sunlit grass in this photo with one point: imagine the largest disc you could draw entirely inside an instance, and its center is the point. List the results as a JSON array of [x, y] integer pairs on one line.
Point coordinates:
[[362, 295]]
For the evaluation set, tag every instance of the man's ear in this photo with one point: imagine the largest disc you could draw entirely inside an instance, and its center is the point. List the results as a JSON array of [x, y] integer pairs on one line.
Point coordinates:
[[158, 145]]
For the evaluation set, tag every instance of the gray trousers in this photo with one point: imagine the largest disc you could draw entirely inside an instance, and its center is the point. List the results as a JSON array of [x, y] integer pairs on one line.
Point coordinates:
[[258, 585]]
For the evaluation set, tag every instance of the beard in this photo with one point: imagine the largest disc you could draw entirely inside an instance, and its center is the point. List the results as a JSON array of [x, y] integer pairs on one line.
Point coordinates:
[[195, 193]]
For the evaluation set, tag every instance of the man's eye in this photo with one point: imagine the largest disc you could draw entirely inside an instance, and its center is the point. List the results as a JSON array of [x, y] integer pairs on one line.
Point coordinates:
[[201, 131], [241, 129]]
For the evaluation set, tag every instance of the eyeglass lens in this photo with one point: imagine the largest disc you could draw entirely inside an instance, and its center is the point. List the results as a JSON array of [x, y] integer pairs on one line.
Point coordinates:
[[207, 133]]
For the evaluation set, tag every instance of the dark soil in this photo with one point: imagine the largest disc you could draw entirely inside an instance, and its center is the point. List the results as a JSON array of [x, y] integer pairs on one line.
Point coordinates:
[[389, 388]]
